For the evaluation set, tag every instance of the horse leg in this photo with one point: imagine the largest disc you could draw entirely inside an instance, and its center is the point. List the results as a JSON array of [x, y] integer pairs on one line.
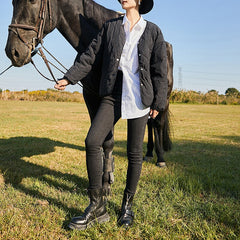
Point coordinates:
[[158, 134], [150, 144], [92, 102]]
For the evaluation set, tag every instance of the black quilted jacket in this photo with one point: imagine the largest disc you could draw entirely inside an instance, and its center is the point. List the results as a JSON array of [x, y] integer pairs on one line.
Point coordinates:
[[106, 50]]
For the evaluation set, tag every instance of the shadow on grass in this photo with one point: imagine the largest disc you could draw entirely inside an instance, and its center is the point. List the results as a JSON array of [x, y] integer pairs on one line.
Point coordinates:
[[197, 167], [202, 167], [14, 168]]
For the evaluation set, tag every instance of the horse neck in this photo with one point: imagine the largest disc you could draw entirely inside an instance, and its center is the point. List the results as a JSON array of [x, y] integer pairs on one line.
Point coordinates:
[[96, 14], [80, 20]]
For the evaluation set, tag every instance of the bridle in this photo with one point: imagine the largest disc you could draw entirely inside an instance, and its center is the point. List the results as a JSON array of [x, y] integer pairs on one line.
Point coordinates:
[[38, 28]]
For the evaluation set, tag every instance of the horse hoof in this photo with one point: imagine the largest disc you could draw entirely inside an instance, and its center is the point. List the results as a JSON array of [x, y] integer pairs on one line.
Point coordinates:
[[147, 159], [161, 164]]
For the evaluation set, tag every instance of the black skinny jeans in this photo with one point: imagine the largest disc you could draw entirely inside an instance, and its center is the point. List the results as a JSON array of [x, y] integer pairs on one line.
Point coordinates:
[[108, 114]]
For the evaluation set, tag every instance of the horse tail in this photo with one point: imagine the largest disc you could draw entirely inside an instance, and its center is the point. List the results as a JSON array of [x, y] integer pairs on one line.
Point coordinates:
[[167, 142]]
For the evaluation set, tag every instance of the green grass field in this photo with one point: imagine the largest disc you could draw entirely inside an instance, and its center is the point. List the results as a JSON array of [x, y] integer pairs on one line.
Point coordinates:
[[43, 177]]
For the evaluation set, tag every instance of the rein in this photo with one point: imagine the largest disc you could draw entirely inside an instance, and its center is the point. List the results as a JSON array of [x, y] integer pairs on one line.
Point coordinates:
[[40, 52], [47, 62]]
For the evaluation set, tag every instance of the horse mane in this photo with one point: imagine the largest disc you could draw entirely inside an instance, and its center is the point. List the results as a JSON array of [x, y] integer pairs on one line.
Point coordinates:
[[98, 14]]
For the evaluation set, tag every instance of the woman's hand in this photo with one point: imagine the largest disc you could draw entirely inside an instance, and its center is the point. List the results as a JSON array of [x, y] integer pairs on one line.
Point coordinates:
[[61, 84], [153, 113]]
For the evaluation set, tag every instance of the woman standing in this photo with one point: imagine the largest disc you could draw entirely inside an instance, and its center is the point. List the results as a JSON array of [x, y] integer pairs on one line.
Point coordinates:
[[133, 85]]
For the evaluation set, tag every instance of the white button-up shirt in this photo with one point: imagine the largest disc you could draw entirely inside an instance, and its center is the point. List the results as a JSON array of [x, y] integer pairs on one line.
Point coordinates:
[[132, 106]]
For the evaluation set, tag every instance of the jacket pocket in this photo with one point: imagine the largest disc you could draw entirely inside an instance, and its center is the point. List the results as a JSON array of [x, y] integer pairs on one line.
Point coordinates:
[[146, 88]]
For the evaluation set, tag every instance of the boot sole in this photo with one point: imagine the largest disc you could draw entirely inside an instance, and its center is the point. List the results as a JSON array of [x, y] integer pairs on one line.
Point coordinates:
[[101, 219]]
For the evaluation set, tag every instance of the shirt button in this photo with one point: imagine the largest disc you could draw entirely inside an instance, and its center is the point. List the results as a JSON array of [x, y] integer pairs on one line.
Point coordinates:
[[139, 54], [141, 69], [117, 59], [141, 84]]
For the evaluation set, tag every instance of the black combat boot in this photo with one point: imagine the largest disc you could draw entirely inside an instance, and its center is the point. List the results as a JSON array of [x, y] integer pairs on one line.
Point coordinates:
[[127, 215], [95, 212]]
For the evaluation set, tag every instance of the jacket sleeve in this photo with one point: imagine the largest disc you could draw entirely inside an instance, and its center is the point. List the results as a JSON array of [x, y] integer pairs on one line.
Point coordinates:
[[158, 69], [84, 65]]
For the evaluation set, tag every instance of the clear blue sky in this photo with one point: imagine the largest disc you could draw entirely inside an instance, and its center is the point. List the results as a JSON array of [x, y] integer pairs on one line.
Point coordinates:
[[205, 35]]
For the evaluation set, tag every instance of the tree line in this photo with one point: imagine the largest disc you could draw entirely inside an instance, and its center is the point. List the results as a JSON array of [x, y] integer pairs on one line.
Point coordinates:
[[231, 96]]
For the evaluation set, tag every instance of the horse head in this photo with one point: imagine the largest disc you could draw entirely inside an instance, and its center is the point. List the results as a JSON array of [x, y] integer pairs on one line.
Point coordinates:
[[31, 21]]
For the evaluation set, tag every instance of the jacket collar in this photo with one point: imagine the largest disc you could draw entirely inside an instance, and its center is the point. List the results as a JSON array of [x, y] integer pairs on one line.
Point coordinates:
[[138, 26]]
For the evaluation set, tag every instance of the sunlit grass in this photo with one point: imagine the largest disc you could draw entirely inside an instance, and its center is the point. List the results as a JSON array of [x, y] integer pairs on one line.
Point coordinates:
[[43, 176]]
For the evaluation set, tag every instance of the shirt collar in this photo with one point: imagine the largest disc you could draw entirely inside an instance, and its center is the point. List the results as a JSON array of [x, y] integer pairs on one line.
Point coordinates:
[[139, 25]]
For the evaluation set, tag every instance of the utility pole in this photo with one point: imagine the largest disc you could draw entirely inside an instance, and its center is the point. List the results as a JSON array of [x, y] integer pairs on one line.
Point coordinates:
[[179, 78]]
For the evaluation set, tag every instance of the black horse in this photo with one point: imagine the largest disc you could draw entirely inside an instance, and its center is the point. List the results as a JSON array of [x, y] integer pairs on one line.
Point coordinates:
[[78, 21]]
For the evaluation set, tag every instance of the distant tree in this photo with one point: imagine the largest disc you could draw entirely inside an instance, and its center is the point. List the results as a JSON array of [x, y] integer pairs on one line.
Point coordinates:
[[232, 92], [213, 91], [1, 90]]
